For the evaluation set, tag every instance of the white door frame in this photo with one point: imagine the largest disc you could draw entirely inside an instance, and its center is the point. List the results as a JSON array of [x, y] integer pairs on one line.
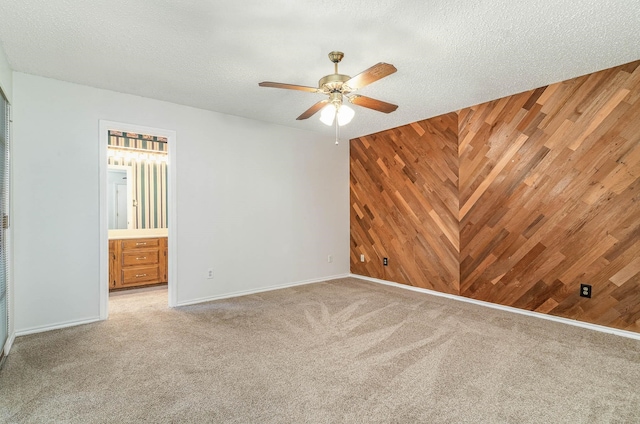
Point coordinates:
[[105, 126]]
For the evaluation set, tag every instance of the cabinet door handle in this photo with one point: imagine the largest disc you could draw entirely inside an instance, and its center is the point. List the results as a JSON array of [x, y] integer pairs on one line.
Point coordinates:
[[141, 258], [141, 243], [140, 275]]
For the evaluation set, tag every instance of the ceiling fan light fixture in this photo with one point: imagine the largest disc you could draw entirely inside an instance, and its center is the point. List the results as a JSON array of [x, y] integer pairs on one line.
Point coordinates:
[[345, 115], [328, 114]]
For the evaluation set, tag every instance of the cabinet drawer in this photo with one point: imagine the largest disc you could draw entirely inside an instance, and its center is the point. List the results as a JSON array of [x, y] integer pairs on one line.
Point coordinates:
[[140, 257], [140, 243], [139, 274]]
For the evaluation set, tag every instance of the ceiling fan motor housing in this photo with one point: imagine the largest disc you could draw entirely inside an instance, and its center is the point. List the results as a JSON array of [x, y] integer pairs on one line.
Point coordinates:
[[333, 82]]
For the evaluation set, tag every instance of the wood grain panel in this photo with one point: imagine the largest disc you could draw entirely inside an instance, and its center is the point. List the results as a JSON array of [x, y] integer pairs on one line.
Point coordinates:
[[404, 204], [550, 198], [528, 197]]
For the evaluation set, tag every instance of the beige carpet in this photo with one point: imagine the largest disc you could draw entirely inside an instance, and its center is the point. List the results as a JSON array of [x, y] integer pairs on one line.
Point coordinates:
[[344, 351]]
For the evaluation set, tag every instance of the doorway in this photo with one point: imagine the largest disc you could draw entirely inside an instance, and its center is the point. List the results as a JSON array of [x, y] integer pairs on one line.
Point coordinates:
[[135, 204]]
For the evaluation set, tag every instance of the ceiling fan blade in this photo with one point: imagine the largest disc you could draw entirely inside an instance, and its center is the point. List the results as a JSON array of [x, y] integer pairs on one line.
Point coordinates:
[[313, 109], [374, 104], [372, 74], [288, 86]]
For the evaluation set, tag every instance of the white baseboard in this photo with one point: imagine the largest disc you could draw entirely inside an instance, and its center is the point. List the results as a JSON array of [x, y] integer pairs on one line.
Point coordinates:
[[41, 329], [58, 326], [260, 290], [8, 344], [595, 327]]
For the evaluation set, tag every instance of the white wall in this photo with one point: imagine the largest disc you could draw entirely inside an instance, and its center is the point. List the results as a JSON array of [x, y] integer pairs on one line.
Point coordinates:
[[261, 204]]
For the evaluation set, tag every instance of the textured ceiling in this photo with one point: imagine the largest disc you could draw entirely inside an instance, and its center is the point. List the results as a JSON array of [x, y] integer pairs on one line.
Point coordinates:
[[212, 54]]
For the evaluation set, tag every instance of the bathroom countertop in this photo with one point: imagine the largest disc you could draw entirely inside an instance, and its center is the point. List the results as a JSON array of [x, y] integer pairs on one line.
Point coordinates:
[[138, 233]]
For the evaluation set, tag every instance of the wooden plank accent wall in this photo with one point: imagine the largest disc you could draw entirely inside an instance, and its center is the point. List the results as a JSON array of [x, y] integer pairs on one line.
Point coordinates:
[[548, 198], [404, 204]]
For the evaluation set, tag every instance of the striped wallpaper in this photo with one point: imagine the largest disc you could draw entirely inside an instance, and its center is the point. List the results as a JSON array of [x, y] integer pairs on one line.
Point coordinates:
[[137, 141], [149, 178]]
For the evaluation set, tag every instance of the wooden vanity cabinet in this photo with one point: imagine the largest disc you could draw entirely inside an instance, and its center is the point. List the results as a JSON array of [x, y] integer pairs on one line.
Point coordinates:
[[137, 262], [164, 268]]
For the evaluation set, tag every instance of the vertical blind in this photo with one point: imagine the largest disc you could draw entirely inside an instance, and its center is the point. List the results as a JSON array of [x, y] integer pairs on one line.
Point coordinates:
[[4, 210]]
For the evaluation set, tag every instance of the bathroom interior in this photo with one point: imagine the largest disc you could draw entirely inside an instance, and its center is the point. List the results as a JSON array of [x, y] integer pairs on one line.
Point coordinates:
[[137, 210]]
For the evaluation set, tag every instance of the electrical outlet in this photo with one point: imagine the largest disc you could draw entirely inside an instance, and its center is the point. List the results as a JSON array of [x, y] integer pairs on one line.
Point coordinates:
[[362, 257], [210, 273], [329, 258], [585, 290], [385, 261]]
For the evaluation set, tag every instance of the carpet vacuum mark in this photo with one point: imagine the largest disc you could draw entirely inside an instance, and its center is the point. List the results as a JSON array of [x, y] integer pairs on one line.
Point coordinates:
[[345, 350]]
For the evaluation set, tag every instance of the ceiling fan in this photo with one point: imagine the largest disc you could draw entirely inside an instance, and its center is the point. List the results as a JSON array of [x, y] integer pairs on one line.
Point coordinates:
[[339, 88]]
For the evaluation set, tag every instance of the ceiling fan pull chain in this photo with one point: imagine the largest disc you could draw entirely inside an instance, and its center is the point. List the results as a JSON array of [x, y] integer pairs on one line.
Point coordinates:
[[337, 130]]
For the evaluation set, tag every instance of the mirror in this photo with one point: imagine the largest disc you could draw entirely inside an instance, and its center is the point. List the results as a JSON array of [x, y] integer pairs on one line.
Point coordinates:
[[120, 197]]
